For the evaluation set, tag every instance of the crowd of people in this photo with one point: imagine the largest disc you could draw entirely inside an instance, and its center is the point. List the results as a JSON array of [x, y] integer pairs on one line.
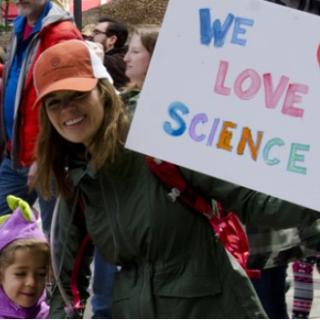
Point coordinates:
[[68, 98]]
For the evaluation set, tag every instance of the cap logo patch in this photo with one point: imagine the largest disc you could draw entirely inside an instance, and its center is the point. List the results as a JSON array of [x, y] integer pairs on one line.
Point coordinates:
[[55, 62]]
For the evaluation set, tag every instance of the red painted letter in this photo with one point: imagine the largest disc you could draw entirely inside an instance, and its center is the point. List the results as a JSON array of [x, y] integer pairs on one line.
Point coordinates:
[[292, 97], [221, 77]]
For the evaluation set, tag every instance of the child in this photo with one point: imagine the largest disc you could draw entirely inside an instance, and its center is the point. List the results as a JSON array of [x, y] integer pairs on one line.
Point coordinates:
[[24, 264]]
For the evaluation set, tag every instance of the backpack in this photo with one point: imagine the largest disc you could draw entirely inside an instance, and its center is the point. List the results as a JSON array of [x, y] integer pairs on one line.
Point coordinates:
[[226, 225]]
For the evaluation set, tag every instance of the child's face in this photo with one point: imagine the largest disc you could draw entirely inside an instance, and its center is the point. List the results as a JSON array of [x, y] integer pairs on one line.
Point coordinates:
[[24, 280]]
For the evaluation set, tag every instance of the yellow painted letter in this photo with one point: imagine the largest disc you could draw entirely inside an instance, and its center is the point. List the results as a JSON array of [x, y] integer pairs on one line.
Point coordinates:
[[246, 138], [226, 136]]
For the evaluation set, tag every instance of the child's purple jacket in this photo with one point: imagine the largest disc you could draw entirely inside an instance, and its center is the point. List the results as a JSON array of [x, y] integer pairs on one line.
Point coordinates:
[[9, 310]]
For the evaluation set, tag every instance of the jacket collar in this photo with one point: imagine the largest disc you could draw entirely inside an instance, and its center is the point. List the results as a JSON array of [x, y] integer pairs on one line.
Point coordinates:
[[79, 169]]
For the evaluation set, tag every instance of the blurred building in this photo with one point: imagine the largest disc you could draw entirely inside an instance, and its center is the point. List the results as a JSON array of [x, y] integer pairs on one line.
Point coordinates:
[[85, 4], [9, 10]]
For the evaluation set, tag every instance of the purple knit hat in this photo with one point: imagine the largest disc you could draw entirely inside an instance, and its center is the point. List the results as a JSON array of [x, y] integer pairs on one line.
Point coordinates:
[[21, 224]]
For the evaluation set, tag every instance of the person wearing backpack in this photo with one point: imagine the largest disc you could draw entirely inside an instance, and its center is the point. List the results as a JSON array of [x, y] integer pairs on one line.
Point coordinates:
[[172, 263]]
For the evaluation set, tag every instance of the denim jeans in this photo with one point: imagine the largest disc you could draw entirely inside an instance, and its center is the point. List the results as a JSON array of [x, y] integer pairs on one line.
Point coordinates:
[[103, 275], [272, 292], [46, 209], [14, 181]]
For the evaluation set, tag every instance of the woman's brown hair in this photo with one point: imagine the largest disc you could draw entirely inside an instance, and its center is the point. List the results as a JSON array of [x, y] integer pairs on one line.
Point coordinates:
[[53, 151], [148, 34]]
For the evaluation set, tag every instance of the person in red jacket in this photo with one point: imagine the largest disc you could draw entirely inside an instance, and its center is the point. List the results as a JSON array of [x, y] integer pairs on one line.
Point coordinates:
[[39, 25]]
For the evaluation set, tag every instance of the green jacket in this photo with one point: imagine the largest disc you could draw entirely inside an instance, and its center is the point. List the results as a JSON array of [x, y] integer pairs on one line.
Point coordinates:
[[173, 266]]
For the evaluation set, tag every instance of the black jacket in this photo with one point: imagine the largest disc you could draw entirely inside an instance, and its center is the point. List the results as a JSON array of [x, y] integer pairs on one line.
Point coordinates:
[[113, 61]]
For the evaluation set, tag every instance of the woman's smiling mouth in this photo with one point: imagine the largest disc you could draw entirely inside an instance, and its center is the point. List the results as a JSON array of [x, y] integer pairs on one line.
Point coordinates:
[[73, 121]]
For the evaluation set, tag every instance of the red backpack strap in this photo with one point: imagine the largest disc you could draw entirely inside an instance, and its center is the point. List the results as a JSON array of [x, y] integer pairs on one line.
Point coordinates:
[[78, 304], [227, 226], [170, 175]]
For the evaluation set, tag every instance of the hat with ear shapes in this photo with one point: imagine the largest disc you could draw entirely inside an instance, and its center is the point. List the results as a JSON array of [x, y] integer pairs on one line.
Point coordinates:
[[22, 223]]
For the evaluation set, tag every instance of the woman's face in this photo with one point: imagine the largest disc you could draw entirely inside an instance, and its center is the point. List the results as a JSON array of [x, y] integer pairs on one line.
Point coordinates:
[[76, 116], [137, 60]]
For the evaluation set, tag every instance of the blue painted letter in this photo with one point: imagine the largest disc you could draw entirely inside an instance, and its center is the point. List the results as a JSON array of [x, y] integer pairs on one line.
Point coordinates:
[[239, 30], [269, 145], [295, 157], [215, 30], [174, 109]]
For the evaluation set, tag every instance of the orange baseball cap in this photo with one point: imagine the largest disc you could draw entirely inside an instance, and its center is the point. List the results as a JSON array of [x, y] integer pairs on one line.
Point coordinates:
[[69, 65]]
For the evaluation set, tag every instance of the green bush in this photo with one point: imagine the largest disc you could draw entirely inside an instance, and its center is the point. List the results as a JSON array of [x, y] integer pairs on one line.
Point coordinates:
[[4, 28]]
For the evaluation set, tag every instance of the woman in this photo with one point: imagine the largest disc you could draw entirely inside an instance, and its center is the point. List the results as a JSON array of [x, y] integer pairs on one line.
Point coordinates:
[[137, 59], [172, 265]]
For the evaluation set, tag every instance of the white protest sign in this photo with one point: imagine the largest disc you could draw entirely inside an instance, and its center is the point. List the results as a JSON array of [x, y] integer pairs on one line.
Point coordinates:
[[233, 91]]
